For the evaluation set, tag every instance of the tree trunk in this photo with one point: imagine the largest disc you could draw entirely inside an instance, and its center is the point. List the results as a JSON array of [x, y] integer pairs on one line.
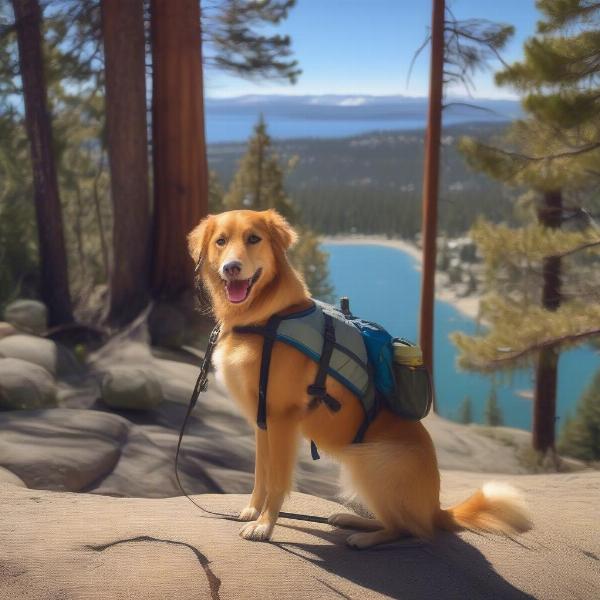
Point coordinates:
[[544, 410], [430, 183], [54, 274], [180, 165], [124, 51]]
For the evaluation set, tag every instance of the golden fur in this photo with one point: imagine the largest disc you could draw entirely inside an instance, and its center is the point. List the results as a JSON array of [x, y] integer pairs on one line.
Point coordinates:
[[394, 470]]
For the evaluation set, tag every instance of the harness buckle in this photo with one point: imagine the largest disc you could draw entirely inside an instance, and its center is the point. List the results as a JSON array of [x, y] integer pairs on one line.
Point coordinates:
[[316, 391]]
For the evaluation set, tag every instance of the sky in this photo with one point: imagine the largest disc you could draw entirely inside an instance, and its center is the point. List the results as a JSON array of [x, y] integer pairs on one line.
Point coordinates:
[[365, 47]]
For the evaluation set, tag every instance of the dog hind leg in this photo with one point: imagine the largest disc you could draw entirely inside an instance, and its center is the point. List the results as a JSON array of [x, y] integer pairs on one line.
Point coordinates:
[[350, 521], [360, 541]]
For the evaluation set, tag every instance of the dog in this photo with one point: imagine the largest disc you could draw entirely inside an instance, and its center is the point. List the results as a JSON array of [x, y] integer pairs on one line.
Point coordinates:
[[243, 264]]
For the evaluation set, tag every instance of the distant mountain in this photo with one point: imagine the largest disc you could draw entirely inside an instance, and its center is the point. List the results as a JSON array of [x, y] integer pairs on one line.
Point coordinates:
[[360, 107], [231, 119]]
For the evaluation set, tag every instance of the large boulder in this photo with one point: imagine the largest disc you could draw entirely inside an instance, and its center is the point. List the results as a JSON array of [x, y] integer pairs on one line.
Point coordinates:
[[6, 329], [7, 476], [55, 358], [35, 350], [30, 316], [131, 388], [24, 385], [62, 448]]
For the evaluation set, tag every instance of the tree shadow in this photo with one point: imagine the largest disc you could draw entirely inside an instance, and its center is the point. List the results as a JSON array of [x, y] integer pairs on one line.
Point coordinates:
[[447, 567]]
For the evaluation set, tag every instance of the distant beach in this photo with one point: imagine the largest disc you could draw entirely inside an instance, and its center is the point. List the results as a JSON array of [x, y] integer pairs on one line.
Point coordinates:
[[468, 306]]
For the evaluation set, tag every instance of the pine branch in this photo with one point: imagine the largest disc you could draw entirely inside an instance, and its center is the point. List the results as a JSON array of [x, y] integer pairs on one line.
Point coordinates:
[[527, 157], [552, 342], [578, 249]]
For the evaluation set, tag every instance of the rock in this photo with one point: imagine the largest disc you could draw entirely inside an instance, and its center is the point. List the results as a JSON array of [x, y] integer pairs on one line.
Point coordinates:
[[7, 476], [167, 326], [25, 386], [61, 449], [55, 358], [30, 316], [6, 329], [131, 387], [32, 349], [166, 548]]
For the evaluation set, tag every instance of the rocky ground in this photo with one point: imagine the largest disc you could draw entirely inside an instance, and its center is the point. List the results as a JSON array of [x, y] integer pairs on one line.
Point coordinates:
[[108, 426], [84, 546]]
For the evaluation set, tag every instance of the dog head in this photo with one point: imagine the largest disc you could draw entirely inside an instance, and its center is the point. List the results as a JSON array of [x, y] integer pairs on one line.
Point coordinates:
[[239, 254]]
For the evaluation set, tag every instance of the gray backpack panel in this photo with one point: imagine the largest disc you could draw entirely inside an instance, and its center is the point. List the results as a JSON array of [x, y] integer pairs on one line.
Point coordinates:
[[348, 364]]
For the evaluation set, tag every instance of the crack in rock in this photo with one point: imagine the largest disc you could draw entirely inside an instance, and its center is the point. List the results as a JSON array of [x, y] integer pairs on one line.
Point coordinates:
[[213, 581]]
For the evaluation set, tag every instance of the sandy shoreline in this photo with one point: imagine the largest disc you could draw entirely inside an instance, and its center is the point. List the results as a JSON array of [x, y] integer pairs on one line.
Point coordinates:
[[468, 306]]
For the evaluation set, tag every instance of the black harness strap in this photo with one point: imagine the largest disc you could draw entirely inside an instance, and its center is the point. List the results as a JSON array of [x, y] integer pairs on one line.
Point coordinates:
[[269, 332], [317, 390]]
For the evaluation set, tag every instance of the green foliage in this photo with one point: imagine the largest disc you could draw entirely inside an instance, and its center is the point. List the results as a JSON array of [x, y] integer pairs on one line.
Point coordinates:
[[259, 185], [238, 42], [580, 435], [308, 257], [371, 183], [492, 414], [465, 411], [553, 152], [215, 194], [560, 73]]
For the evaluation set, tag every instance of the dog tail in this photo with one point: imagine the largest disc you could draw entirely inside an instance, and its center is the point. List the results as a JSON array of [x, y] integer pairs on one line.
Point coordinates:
[[496, 508]]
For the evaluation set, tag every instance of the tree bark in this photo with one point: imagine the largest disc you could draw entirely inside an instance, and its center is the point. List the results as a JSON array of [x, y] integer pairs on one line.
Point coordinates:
[[180, 164], [54, 274], [546, 372], [431, 183], [124, 51]]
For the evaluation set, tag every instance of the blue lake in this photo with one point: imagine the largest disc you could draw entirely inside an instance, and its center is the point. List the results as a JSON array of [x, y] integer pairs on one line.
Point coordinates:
[[384, 286], [238, 127]]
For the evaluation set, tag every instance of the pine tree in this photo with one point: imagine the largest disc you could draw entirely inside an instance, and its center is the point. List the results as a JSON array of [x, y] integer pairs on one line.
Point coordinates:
[[492, 414], [580, 435], [124, 51], [258, 185], [465, 411], [54, 274], [531, 312]]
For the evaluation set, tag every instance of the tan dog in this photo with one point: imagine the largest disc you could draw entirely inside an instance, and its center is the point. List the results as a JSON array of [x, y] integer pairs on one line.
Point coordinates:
[[247, 274]]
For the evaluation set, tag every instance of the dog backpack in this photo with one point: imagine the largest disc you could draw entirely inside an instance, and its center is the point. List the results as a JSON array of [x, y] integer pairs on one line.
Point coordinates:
[[361, 355]]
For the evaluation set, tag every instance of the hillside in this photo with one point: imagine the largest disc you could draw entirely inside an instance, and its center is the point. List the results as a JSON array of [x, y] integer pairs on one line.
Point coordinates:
[[371, 183]]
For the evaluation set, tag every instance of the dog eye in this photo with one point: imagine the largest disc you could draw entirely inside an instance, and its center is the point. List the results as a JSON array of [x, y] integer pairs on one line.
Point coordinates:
[[253, 239], [221, 241]]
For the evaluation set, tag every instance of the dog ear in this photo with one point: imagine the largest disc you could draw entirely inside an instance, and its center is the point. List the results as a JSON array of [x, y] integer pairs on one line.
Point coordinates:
[[282, 232], [198, 238]]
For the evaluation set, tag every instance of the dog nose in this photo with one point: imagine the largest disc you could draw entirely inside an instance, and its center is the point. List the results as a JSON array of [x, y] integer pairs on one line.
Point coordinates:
[[233, 268]]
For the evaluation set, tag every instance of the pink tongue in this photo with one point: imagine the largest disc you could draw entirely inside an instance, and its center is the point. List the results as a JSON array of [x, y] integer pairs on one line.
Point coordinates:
[[237, 290]]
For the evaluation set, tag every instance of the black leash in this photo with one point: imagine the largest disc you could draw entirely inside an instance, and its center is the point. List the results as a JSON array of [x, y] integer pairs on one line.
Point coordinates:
[[202, 386]]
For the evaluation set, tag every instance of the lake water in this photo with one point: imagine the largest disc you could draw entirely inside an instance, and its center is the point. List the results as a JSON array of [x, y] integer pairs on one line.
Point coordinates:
[[384, 286], [238, 127]]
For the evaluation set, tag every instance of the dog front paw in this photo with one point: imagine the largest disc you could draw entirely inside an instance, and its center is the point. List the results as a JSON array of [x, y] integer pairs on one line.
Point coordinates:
[[257, 531], [249, 514]]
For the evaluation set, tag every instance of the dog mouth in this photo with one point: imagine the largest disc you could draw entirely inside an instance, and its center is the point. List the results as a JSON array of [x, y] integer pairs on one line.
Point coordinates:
[[239, 289]]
